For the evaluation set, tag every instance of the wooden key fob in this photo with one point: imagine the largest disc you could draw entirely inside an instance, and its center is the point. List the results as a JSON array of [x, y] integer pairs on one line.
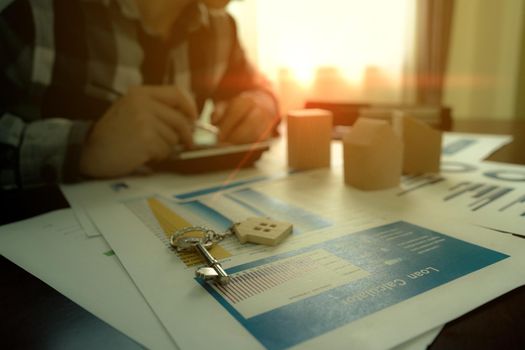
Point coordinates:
[[262, 231]]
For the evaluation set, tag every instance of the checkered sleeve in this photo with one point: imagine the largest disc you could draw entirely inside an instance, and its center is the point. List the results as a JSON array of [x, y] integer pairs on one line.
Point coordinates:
[[33, 151], [39, 152]]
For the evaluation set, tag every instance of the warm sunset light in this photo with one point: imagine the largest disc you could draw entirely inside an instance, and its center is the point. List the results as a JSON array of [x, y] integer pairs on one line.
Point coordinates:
[[363, 43], [262, 174]]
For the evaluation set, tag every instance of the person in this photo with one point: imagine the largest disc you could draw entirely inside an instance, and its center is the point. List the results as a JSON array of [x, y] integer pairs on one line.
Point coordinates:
[[101, 88]]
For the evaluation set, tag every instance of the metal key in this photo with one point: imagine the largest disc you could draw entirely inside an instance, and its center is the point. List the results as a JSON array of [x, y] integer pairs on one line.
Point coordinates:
[[214, 270]]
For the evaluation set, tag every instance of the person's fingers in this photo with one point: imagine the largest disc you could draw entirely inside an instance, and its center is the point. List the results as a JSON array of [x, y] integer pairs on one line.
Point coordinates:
[[159, 149], [168, 134], [174, 120], [250, 129], [155, 145], [171, 96], [234, 114], [241, 133]]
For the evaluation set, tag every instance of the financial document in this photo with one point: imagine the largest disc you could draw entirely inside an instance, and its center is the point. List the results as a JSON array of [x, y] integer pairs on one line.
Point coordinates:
[[54, 248], [87, 262], [346, 268], [490, 194], [464, 147], [471, 147], [269, 283]]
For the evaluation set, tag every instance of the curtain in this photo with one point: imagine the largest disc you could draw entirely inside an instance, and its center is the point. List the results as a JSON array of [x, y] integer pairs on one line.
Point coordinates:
[[520, 95], [433, 29]]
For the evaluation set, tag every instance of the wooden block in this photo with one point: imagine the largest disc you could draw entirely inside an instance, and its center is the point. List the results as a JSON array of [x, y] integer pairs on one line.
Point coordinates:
[[262, 231], [309, 138], [372, 155], [422, 144]]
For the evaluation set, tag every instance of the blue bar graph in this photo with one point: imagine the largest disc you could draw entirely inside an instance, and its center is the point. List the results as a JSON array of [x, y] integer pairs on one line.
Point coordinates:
[[261, 204], [457, 146], [417, 182]]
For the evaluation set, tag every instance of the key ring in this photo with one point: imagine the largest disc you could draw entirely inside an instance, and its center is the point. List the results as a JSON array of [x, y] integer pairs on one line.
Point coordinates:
[[182, 243]]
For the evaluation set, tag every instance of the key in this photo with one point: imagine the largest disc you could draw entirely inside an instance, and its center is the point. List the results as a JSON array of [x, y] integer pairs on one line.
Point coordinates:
[[214, 270], [186, 243]]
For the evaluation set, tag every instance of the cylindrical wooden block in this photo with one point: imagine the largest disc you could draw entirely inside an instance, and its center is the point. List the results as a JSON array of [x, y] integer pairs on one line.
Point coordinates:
[[309, 138]]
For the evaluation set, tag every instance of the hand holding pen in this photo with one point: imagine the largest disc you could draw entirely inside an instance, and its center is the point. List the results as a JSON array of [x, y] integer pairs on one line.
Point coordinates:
[[142, 126]]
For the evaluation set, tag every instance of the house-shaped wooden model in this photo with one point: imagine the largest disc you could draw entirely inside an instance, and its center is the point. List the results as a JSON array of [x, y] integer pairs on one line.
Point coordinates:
[[372, 155], [422, 145]]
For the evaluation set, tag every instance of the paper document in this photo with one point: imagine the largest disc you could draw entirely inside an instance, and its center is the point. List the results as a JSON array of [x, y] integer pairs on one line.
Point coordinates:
[[118, 189], [54, 248], [333, 283], [421, 342], [346, 268], [490, 194], [456, 146], [272, 283], [471, 147]]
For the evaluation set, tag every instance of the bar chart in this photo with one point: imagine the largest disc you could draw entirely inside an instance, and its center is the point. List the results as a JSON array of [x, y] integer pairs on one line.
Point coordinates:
[[269, 286], [518, 204], [470, 195]]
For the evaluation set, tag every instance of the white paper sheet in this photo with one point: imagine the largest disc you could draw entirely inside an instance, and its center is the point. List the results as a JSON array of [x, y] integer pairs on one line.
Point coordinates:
[[115, 189], [54, 248], [456, 146], [420, 342], [489, 194], [179, 300], [471, 147], [270, 165]]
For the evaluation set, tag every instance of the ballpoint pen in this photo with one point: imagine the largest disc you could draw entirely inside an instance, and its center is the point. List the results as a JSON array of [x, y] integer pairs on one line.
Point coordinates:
[[201, 124]]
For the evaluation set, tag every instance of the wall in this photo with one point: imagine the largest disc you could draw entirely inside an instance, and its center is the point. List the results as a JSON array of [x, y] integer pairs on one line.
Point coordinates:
[[484, 59], [520, 97]]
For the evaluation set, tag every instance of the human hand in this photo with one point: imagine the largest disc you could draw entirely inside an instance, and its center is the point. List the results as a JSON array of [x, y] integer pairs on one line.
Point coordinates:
[[242, 120], [215, 4], [140, 127]]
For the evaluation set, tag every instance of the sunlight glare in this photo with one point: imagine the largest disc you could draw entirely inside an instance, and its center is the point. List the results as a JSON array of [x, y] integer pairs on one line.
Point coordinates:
[[350, 35]]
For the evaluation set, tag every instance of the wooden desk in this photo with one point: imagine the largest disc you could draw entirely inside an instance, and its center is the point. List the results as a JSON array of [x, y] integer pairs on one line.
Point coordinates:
[[36, 316]]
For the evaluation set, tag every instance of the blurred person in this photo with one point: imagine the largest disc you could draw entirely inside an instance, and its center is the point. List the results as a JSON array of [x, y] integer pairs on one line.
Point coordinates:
[[100, 88]]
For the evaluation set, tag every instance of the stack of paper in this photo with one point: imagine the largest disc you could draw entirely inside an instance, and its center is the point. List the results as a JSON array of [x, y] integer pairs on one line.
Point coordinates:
[[358, 265]]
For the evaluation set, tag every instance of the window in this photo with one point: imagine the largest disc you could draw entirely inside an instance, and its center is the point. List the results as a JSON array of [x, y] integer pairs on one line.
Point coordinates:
[[336, 50]]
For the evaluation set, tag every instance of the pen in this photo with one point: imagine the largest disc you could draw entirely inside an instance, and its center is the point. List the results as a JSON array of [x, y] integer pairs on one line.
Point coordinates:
[[200, 124]]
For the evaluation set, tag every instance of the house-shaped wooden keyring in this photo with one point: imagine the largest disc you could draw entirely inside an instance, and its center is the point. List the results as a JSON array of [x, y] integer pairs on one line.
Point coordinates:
[[262, 231]]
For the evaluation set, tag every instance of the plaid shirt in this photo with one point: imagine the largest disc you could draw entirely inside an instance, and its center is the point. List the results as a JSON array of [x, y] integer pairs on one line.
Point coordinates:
[[65, 61]]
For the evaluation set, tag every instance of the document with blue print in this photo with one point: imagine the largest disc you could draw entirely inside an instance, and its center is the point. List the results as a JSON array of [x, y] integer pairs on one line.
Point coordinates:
[[55, 249], [464, 147], [291, 297], [471, 147], [345, 268], [489, 194]]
